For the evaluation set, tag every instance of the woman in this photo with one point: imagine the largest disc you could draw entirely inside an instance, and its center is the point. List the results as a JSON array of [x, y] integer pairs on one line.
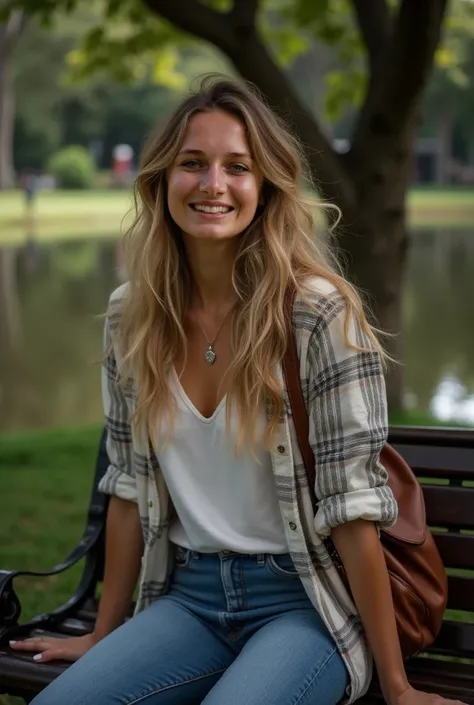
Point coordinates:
[[239, 601]]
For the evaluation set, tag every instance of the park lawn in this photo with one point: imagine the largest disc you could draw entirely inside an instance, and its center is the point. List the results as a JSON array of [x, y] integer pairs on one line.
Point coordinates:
[[78, 214], [46, 479], [62, 215]]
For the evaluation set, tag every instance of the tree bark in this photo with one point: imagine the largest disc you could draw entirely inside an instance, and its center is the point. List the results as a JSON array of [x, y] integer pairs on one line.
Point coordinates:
[[374, 245], [7, 112], [10, 33]]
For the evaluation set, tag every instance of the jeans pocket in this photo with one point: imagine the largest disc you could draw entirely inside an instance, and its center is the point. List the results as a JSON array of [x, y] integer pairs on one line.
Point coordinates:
[[282, 565], [182, 555]]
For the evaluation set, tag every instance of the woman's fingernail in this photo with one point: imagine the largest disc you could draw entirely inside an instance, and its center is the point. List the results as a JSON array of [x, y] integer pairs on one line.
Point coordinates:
[[12, 643], [38, 657]]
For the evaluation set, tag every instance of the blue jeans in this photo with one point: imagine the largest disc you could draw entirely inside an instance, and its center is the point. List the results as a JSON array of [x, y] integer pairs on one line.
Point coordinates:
[[233, 630]]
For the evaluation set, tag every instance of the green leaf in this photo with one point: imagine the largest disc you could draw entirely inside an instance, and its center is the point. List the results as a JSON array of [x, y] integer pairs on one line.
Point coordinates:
[[165, 70]]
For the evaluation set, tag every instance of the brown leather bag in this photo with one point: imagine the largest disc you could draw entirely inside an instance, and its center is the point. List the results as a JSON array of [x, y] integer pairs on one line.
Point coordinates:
[[417, 576]]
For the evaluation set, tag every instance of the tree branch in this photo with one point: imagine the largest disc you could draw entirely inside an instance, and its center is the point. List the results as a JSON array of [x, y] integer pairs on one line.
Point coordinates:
[[244, 12], [10, 32], [254, 63], [393, 99], [375, 24], [192, 17], [416, 35]]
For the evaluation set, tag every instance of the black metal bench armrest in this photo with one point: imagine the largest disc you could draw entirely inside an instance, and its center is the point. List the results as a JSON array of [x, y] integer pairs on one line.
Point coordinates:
[[10, 607], [89, 547]]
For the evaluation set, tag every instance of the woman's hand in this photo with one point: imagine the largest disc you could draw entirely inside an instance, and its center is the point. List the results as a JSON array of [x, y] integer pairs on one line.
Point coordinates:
[[410, 696], [51, 649]]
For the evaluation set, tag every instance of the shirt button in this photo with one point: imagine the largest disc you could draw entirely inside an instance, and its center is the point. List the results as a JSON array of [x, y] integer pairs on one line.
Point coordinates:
[[150, 503], [281, 449], [292, 525]]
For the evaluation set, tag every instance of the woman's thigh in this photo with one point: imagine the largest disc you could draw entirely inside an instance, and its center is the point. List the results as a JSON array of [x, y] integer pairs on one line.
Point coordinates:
[[292, 660], [163, 656]]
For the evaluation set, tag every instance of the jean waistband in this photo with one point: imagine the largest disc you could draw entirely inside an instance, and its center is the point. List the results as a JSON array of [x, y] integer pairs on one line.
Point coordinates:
[[260, 557]]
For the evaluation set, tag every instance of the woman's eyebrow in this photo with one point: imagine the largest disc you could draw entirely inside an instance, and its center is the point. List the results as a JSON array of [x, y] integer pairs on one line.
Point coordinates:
[[239, 155]]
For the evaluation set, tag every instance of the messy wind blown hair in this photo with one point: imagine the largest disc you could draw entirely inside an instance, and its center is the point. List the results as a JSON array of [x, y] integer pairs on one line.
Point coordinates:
[[278, 247]]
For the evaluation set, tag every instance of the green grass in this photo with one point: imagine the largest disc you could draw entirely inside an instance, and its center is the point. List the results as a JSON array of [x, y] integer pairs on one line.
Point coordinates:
[[46, 479], [77, 214], [421, 418], [64, 215]]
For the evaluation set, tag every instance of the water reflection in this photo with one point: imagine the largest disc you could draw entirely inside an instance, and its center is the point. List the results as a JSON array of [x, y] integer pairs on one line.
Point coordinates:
[[50, 333], [49, 376], [439, 317]]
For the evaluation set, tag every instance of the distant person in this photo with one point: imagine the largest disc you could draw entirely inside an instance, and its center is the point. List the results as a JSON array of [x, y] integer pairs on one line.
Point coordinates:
[[239, 602], [29, 185]]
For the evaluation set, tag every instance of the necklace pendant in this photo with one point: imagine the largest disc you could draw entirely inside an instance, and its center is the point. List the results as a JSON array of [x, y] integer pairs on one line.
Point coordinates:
[[210, 356]]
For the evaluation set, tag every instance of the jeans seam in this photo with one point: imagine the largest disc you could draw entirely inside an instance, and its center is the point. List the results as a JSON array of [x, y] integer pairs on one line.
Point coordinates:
[[280, 572], [315, 675], [242, 584], [141, 698]]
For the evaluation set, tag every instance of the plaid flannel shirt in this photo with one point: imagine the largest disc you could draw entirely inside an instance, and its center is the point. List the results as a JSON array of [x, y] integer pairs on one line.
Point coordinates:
[[345, 397]]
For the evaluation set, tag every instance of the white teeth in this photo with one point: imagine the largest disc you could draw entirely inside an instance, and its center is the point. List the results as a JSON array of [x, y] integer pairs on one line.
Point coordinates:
[[212, 209]]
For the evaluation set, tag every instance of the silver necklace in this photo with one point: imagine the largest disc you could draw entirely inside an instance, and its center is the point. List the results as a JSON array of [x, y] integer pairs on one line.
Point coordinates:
[[210, 356]]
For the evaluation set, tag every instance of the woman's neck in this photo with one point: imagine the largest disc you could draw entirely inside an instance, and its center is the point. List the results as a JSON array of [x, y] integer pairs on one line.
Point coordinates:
[[211, 266]]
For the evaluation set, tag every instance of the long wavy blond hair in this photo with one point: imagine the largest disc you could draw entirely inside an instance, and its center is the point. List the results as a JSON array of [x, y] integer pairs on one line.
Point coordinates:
[[278, 247]]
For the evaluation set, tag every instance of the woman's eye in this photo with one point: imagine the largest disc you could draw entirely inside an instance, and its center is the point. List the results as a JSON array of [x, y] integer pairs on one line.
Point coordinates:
[[191, 163], [239, 168]]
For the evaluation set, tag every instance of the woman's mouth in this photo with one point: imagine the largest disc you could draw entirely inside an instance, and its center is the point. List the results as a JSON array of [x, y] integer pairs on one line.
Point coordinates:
[[211, 211]]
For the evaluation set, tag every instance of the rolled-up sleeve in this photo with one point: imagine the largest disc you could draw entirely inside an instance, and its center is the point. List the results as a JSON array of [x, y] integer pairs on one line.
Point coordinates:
[[119, 478], [348, 423]]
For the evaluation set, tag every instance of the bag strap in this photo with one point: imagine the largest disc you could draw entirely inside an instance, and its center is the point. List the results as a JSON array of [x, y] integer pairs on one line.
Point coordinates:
[[291, 371]]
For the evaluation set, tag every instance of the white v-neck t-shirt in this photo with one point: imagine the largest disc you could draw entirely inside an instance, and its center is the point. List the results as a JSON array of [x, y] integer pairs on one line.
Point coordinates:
[[222, 502]]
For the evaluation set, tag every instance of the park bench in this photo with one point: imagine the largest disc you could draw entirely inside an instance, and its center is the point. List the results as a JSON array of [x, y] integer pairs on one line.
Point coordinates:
[[443, 459]]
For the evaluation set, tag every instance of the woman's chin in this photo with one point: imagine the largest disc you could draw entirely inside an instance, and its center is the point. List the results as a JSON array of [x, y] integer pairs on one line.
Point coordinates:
[[211, 232]]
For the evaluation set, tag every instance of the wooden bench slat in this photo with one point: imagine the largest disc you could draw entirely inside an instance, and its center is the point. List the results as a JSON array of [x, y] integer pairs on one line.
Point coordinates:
[[455, 637], [432, 461], [457, 550], [451, 680], [461, 593], [449, 506], [431, 437]]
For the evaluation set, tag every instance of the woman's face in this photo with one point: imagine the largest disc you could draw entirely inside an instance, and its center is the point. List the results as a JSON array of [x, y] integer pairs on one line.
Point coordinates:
[[213, 184]]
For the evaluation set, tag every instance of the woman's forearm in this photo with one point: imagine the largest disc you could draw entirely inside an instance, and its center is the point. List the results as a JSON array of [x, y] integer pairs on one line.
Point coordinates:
[[123, 551], [360, 551]]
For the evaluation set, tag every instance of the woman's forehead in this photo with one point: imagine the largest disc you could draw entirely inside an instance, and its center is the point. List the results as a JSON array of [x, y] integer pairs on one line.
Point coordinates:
[[217, 132]]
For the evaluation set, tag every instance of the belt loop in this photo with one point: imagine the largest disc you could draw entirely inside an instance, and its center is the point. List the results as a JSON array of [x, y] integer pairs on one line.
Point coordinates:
[[260, 558]]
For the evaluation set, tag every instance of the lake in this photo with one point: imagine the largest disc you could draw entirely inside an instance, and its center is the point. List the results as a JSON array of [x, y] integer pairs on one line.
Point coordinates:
[[51, 297]]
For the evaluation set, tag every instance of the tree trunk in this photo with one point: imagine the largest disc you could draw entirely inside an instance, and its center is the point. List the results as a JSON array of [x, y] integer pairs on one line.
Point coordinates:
[[10, 335], [376, 251], [375, 238], [7, 116], [10, 33]]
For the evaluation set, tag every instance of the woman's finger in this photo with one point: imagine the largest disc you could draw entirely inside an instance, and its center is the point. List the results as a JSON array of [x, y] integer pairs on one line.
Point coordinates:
[[32, 644], [54, 654]]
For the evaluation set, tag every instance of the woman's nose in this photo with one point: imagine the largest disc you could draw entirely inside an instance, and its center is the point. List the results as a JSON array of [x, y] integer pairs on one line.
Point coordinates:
[[213, 181]]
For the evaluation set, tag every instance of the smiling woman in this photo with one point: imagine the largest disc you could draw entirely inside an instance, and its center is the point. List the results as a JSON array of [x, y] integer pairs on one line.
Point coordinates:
[[239, 600]]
